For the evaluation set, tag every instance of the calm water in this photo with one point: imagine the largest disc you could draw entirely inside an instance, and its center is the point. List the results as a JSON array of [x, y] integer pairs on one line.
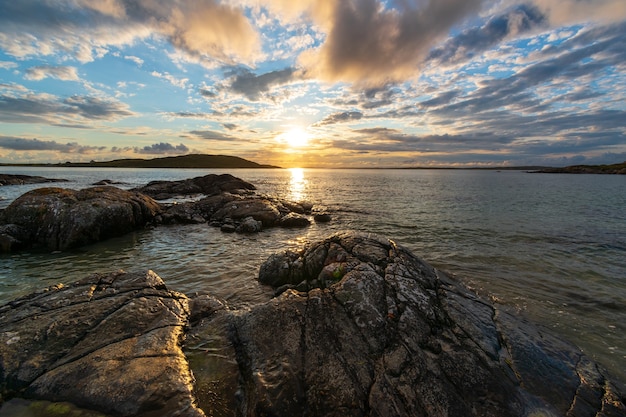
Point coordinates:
[[552, 245]]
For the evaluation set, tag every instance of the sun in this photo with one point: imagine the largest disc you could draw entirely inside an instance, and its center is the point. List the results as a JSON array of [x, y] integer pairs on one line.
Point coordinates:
[[296, 137]]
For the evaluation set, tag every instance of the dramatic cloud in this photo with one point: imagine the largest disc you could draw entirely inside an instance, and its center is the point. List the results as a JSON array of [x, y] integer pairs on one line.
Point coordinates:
[[20, 144], [163, 149], [252, 86], [475, 40], [371, 45], [205, 30], [44, 71]]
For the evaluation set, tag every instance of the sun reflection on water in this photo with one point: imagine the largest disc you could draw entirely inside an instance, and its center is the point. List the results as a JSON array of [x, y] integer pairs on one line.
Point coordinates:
[[297, 185]]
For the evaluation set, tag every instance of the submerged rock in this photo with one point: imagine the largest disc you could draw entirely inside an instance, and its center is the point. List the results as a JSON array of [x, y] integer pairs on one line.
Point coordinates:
[[58, 218], [378, 332]]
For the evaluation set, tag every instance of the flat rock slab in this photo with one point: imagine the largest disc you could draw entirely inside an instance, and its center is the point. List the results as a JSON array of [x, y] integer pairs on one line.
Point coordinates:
[[361, 327]]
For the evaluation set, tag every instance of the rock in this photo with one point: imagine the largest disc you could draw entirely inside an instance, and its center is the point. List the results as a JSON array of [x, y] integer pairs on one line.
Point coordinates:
[[389, 335], [375, 331], [322, 217], [110, 343], [209, 185], [108, 182], [228, 228], [294, 220], [10, 179], [249, 225], [58, 218]]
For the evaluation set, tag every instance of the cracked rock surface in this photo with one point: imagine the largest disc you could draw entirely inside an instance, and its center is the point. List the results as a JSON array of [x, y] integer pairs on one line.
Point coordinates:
[[360, 327], [110, 343]]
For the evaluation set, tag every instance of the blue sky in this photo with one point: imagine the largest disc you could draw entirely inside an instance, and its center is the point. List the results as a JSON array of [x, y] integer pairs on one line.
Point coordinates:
[[315, 83]]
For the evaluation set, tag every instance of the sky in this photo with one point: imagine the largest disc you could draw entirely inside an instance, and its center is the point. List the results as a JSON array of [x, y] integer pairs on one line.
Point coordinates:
[[315, 83]]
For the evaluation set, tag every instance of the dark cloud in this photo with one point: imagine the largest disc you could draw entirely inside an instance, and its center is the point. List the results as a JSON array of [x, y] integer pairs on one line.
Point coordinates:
[[252, 86], [163, 149], [205, 92], [71, 111], [211, 135], [229, 126], [372, 45], [21, 144], [464, 46], [347, 116]]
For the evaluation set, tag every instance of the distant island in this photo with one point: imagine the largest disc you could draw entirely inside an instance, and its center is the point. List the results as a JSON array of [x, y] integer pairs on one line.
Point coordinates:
[[185, 161], [587, 169]]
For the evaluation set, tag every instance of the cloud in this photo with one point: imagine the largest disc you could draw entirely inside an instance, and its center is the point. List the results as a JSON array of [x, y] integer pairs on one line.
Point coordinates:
[[73, 111], [62, 73], [163, 149], [135, 59], [465, 45], [370, 45], [21, 144], [347, 116], [207, 31], [252, 86], [177, 82], [211, 135], [567, 12], [7, 65]]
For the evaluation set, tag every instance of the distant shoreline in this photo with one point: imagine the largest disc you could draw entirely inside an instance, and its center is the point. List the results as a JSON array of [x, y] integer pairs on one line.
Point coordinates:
[[203, 161], [179, 162]]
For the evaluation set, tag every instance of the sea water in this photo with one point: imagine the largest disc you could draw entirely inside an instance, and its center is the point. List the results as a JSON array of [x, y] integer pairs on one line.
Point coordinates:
[[551, 245]]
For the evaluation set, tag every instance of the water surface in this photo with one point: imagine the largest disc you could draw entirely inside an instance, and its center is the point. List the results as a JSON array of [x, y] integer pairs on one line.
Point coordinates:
[[552, 245]]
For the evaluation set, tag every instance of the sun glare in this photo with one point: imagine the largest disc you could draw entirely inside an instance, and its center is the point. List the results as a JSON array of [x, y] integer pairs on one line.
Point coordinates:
[[296, 138]]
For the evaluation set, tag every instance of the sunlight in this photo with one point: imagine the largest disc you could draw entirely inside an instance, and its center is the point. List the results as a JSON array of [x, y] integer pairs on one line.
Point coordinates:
[[296, 137], [297, 185]]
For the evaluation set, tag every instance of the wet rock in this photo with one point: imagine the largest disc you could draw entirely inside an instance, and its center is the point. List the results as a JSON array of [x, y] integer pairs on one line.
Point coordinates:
[[322, 217], [380, 332], [57, 218], [294, 220], [110, 343], [249, 225], [108, 182], [371, 330], [208, 185], [11, 179]]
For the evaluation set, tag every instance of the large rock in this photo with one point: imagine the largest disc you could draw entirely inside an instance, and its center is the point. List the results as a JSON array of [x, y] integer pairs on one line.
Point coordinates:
[[58, 218], [110, 343], [378, 332], [382, 333], [208, 185]]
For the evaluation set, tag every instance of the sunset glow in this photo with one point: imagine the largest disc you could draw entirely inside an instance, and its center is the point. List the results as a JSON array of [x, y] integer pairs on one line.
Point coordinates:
[[337, 83]]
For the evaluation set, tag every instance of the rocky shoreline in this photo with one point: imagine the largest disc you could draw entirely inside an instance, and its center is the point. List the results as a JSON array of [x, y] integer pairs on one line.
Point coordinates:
[[58, 219], [379, 332], [359, 326]]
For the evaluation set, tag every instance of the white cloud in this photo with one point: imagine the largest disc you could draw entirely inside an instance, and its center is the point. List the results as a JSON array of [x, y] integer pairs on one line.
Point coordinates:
[[62, 73]]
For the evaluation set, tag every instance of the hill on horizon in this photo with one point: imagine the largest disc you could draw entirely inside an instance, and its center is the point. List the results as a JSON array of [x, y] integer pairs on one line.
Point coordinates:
[[184, 161]]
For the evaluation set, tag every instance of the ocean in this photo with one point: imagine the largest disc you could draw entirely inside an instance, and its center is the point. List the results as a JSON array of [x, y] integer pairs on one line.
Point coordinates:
[[552, 246]]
